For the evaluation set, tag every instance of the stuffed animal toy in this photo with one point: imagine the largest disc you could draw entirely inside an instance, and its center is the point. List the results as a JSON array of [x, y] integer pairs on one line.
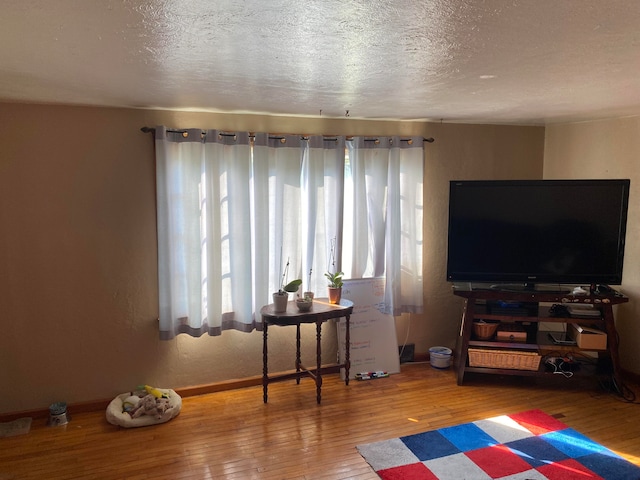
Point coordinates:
[[150, 405], [163, 405], [140, 392], [130, 403], [155, 392]]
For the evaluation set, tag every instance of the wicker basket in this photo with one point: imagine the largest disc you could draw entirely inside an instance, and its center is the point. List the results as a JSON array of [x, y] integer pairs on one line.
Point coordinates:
[[508, 359], [485, 330]]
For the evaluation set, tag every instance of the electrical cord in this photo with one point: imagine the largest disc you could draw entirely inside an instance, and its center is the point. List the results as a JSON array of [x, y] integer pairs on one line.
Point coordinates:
[[557, 365], [620, 391], [617, 388], [623, 392]]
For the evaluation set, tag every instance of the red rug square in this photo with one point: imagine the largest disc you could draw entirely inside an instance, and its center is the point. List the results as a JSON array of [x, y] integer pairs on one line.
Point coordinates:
[[415, 471], [568, 470], [538, 422], [498, 461]]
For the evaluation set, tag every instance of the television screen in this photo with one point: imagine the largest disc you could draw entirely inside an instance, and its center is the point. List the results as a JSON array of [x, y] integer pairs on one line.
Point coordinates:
[[537, 231]]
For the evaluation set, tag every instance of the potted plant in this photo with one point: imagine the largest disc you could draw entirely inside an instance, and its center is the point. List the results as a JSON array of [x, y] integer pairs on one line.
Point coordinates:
[[281, 297], [335, 286], [335, 279], [305, 302], [308, 294]]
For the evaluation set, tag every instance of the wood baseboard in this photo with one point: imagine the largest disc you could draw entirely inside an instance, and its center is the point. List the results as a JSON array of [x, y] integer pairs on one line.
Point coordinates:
[[254, 381], [98, 405]]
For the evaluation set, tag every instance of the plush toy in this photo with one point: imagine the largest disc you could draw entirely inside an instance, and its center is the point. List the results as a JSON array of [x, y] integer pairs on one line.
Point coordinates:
[[155, 392], [150, 405], [163, 405], [130, 403], [140, 392]]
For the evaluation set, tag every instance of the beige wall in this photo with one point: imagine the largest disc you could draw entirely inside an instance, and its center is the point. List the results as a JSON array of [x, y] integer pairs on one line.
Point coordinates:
[[78, 276], [607, 149], [462, 152]]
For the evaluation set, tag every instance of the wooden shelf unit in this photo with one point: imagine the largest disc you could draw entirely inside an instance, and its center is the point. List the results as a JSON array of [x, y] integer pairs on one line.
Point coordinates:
[[475, 308]]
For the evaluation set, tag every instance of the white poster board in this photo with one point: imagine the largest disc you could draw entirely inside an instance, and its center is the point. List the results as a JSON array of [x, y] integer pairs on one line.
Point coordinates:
[[373, 339]]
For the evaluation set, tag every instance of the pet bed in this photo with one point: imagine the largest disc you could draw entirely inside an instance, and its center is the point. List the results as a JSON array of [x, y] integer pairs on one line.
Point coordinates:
[[117, 416]]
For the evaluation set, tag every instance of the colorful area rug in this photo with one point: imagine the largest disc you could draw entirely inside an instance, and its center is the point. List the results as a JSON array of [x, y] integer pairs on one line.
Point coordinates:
[[526, 446]]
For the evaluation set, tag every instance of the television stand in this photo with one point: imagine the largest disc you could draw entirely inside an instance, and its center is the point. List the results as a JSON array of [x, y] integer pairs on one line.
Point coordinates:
[[529, 288], [510, 352]]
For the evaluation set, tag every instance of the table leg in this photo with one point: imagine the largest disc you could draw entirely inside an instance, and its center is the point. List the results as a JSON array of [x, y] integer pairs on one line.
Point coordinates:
[[318, 361], [347, 358], [265, 376], [298, 359]]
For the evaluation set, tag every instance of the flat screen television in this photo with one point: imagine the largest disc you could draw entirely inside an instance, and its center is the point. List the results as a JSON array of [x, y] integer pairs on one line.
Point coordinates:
[[529, 232]]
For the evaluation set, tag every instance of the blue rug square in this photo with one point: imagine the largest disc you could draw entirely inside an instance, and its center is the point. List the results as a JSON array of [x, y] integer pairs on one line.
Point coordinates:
[[468, 437], [536, 451], [611, 467], [429, 445]]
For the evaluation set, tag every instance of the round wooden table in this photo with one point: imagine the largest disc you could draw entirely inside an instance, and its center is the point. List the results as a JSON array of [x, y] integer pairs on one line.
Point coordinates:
[[320, 312]]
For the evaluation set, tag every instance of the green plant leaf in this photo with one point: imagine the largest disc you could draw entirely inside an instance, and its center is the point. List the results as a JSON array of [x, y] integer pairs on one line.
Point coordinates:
[[335, 279], [292, 286]]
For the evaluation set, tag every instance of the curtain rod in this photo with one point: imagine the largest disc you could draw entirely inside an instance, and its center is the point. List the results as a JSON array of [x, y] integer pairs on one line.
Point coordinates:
[[328, 137]]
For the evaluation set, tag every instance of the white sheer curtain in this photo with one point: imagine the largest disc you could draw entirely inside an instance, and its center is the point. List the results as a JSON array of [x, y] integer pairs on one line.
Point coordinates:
[[204, 232], [278, 236], [322, 219], [385, 237], [234, 208]]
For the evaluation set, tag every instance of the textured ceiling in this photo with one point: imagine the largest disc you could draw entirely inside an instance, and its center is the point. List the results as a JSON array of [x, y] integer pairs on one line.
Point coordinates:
[[492, 61]]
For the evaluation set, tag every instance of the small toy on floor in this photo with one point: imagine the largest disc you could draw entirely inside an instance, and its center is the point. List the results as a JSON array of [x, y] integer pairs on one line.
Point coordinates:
[[151, 405], [371, 375], [146, 400], [156, 392], [130, 403]]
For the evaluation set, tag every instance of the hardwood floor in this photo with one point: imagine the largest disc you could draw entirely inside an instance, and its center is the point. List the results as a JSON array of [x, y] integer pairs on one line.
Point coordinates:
[[233, 435]]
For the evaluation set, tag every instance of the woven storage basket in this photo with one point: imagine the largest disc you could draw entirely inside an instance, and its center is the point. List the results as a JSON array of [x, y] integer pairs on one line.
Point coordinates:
[[509, 359], [485, 330]]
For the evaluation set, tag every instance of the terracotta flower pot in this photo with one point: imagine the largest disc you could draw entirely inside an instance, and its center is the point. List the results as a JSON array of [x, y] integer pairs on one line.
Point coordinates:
[[335, 294]]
